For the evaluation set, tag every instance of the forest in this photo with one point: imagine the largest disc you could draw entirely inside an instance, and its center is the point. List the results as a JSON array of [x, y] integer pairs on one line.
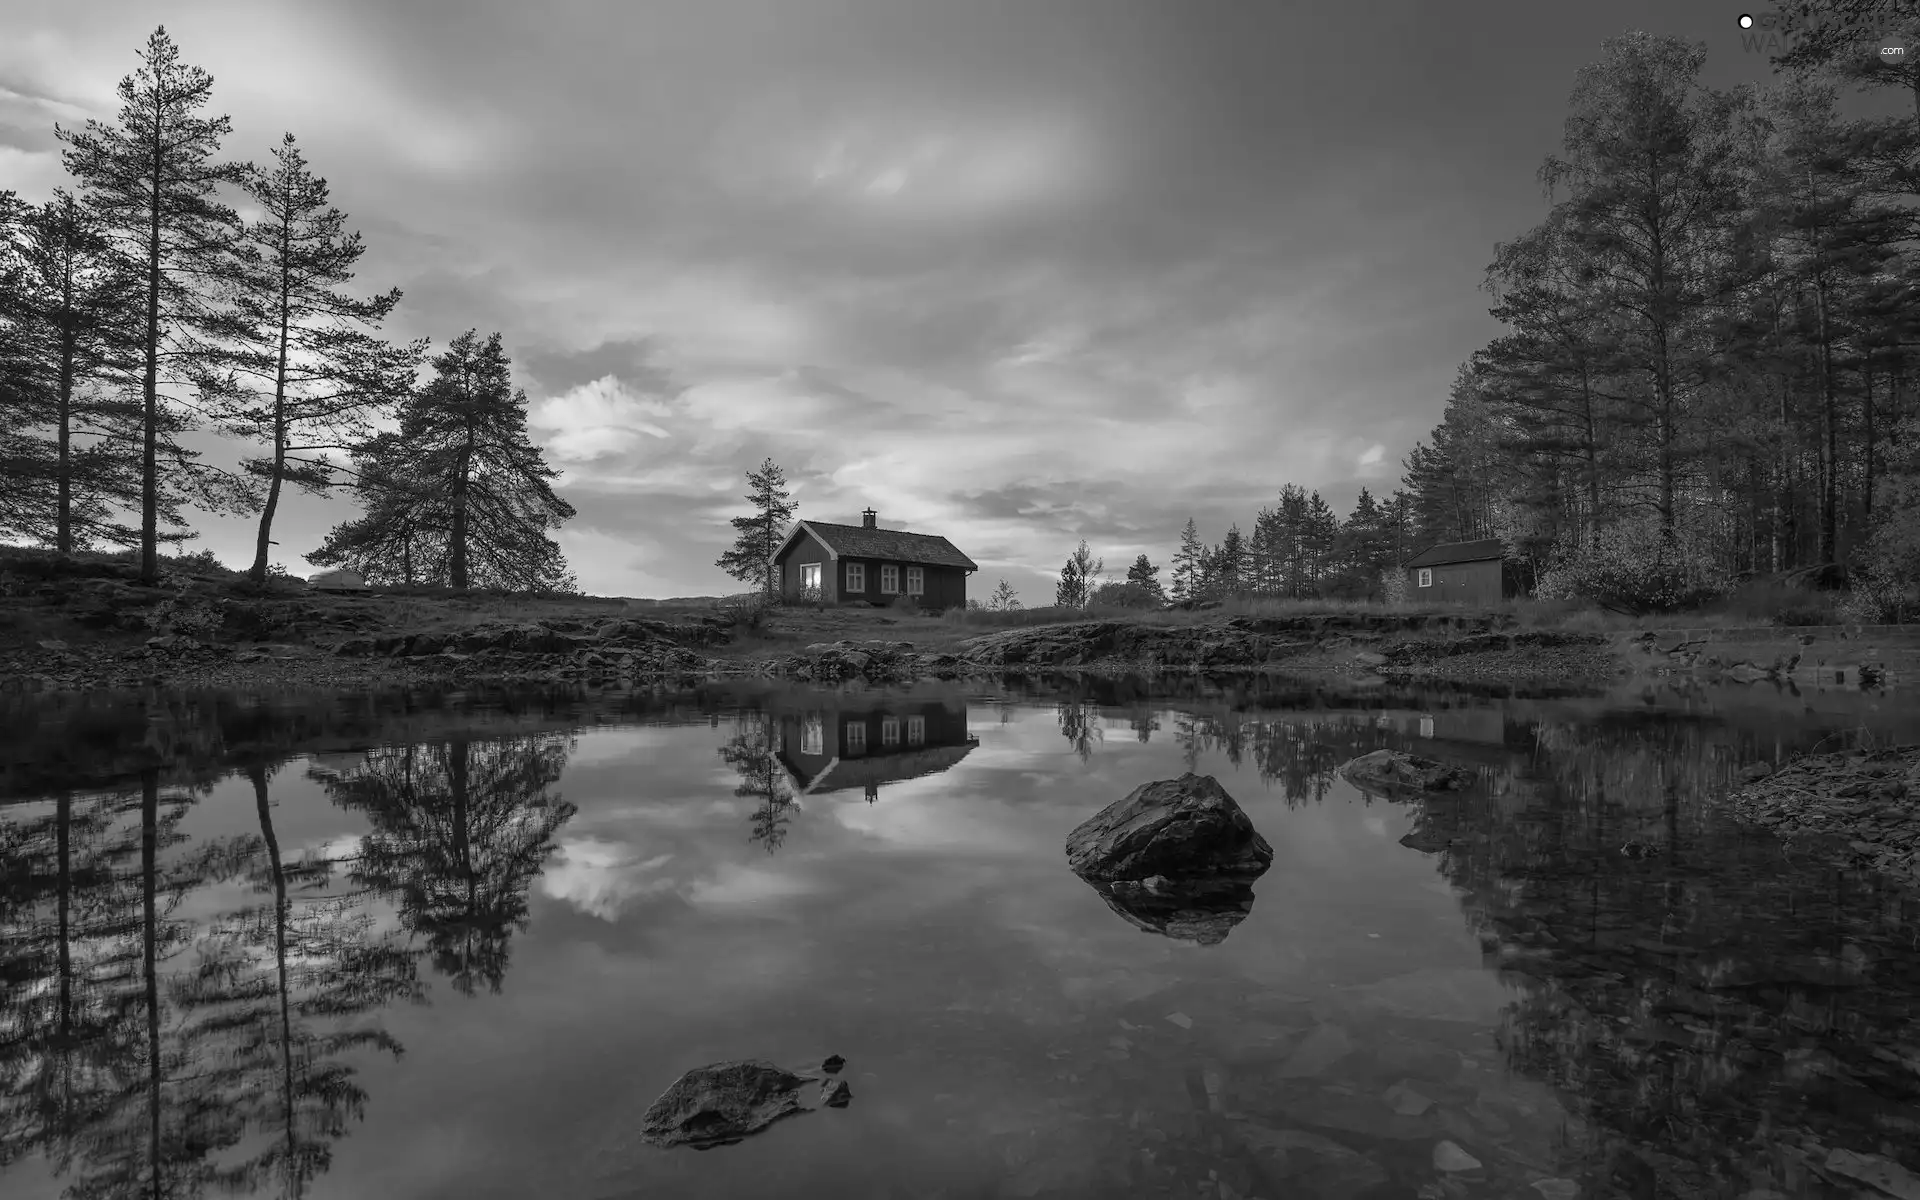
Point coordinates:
[[1707, 370], [168, 291]]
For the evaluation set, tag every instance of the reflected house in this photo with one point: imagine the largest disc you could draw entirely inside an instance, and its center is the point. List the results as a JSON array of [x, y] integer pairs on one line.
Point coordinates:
[[868, 742]]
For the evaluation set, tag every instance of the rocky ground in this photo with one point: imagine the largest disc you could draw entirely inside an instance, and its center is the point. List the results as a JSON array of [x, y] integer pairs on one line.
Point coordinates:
[[92, 625], [1863, 803]]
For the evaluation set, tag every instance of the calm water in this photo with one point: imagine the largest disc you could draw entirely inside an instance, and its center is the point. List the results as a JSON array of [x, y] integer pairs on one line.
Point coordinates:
[[392, 946]]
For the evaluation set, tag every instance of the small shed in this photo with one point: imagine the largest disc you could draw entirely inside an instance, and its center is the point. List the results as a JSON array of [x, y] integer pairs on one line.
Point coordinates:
[[341, 580], [1460, 573]]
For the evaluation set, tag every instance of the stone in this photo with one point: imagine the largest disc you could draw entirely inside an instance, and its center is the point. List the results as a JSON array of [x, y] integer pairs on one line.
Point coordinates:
[[834, 1093], [1464, 994], [1326, 1045], [722, 1103], [1368, 658], [833, 1064], [1184, 828], [1448, 1156], [1407, 1102], [1880, 1174], [341, 580], [1202, 911], [1395, 772], [1181, 1019], [1556, 1189]]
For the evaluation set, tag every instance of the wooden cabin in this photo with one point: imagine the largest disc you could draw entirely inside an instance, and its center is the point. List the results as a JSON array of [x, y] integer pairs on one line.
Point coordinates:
[[845, 564], [1460, 573], [839, 748]]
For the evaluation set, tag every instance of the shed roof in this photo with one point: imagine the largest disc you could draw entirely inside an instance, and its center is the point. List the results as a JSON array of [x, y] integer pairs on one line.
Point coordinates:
[[843, 774], [1458, 552], [856, 541]]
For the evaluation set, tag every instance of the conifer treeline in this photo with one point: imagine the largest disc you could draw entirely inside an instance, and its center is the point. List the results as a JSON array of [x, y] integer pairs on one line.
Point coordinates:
[[139, 305]]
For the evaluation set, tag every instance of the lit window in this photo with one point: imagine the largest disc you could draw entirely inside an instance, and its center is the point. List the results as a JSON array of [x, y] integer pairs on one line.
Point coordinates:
[[1426, 577], [916, 730], [810, 576], [889, 579], [916, 581], [856, 737], [856, 577], [889, 731], [812, 736]]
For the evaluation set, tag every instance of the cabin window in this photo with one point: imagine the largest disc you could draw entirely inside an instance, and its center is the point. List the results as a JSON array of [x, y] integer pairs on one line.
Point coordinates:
[[1426, 577], [916, 581], [889, 731], [889, 579], [812, 736], [916, 730], [810, 576], [857, 737], [1426, 726], [856, 577]]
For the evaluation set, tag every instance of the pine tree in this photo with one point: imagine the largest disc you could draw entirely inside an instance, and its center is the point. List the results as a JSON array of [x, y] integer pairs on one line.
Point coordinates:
[[153, 180], [750, 558], [1186, 562], [460, 467], [1229, 560], [1147, 576], [1078, 578], [313, 371]]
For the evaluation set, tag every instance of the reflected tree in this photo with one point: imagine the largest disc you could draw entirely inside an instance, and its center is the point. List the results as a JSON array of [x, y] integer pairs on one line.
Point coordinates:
[[1080, 725], [460, 830], [275, 994], [751, 752]]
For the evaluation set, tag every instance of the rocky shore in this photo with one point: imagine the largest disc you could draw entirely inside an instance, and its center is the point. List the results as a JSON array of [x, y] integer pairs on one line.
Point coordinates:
[[1862, 804]]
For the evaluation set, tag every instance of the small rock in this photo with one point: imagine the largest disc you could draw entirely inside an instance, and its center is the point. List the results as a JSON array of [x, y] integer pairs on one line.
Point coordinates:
[[52, 644], [1448, 1156], [1392, 771], [1326, 1045], [1556, 1189], [833, 1064], [834, 1093], [1403, 1099], [1181, 1019], [1879, 1173]]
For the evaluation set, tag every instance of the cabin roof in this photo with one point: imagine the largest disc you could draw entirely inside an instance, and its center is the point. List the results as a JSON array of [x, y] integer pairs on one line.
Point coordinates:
[[843, 774], [1447, 553], [856, 541]]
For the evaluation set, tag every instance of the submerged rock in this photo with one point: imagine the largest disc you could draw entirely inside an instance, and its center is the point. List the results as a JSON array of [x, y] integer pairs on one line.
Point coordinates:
[[1192, 910], [1183, 828], [721, 1103], [833, 1064], [1396, 772]]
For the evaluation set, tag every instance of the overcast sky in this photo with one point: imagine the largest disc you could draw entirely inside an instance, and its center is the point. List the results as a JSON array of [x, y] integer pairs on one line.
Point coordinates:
[[1017, 272]]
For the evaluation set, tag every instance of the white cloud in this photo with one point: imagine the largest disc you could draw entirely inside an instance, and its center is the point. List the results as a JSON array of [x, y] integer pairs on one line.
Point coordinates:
[[598, 419]]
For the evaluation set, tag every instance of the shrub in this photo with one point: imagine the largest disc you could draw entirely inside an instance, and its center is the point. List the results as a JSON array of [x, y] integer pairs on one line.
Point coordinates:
[[1631, 567], [1126, 595]]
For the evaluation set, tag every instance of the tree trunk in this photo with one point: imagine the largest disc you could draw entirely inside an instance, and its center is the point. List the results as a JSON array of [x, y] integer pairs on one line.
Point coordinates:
[[258, 775], [150, 943], [150, 388], [1829, 431], [63, 843], [258, 573], [69, 347]]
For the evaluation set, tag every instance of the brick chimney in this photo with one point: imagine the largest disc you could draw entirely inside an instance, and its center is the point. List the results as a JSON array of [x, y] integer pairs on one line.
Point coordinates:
[[869, 519]]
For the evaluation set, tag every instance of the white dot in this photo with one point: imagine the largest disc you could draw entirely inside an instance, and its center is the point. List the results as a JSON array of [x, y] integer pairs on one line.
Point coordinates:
[[1746, 22]]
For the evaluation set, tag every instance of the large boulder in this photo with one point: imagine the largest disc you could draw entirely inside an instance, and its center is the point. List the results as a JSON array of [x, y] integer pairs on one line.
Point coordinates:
[[722, 1103], [341, 580], [1395, 772], [1182, 828]]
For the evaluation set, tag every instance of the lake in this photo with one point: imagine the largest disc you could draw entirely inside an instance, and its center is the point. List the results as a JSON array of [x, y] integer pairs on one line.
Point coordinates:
[[420, 945]]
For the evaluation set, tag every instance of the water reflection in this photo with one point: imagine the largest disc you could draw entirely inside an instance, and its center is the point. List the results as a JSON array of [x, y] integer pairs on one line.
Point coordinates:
[[460, 830], [214, 914], [836, 742]]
